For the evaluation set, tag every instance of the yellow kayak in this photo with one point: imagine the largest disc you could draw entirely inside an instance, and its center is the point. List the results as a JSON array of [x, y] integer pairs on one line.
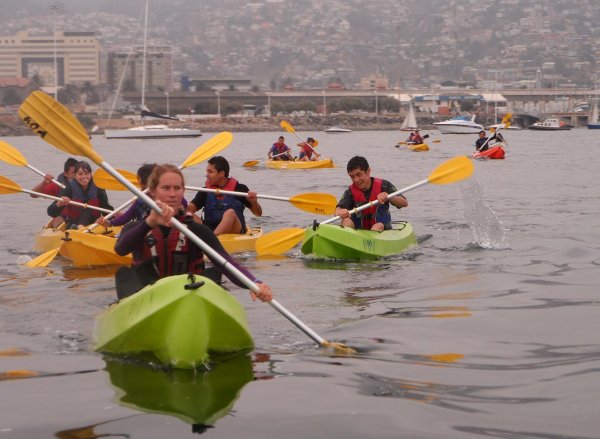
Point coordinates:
[[287, 164], [48, 238], [240, 243]]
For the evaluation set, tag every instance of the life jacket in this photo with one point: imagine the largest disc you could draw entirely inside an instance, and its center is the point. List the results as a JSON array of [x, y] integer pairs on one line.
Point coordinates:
[[217, 204], [279, 148], [307, 150], [374, 214], [172, 254], [90, 198]]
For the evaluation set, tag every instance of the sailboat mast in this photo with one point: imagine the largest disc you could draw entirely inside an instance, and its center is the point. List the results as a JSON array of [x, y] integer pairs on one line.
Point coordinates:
[[144, 59]]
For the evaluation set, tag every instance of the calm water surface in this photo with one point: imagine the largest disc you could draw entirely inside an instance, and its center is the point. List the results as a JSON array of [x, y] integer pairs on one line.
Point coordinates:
[[488, 328]]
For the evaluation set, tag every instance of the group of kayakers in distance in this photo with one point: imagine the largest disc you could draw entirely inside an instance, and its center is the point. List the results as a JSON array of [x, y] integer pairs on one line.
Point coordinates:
[[280, 151], [415, 138]]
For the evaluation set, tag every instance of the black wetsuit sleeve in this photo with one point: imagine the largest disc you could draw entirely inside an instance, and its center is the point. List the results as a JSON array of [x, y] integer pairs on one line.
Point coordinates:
[[243, 188], [346, 202], [207, 235], [199, 200], [103, 200], [131, 237]]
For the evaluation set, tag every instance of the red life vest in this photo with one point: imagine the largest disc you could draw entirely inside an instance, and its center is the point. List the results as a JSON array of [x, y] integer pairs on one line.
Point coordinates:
[[172, 254], [367, 217], [90, 198]]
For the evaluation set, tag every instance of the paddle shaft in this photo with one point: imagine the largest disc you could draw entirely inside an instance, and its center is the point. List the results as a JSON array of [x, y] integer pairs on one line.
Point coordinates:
[[55, 181], [376, 202], [304, 141], [490, 138], [239, 194], [213, 254], [75, 203]]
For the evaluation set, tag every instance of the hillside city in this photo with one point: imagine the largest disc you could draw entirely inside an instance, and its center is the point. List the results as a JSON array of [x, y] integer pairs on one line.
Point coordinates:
[[490, 44]]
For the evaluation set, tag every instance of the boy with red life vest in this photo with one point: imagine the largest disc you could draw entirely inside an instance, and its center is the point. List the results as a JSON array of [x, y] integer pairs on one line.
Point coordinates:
[[82, 190], [224, 213], [48, 187], [364, 189], [161, 250]]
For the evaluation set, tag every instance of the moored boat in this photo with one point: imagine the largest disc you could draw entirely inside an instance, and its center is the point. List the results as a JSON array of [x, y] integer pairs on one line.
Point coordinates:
[[180, 321], [337, 130], [550, 124], [311, 164], [151, 132], [495, 152], [459, 125], [334, 241]]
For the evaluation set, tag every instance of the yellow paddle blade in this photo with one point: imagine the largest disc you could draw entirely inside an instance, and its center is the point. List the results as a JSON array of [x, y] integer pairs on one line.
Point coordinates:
[[287, 126], [316, 143], [278, 242], [455, 169], [506, 117], [315, 202], [436, 141], [55, 124], [11, 155], [106, 181], [208, 149], [339, 348], [251, 163], [7, 186], [44, 259]]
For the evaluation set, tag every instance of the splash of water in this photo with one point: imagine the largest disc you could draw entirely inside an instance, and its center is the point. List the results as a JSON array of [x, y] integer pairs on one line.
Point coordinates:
[[488, 231]]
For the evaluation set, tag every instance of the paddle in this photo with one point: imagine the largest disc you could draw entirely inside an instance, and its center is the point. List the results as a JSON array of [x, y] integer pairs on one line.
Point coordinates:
[[104, 180], [280, 241], [290, 129], [12, 156], [7, 186], [50, 120], [314, 202]]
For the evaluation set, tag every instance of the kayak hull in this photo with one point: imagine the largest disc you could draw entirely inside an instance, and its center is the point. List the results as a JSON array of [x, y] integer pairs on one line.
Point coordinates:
[[180, 327], [419, 147], [48, 238], [89, 249], [333, 241], [288, 164], [241, 243], [495, 152]]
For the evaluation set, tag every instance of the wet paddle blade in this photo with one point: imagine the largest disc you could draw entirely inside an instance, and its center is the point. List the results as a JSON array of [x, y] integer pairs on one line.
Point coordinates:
[[11, 155], [287, 126], [208, 149], [453, 170], [44, 259], [436, 141], [51, 121], [251, 163], [315, 202], [106, 181], [278, 242], [339, 348], [7, 186]]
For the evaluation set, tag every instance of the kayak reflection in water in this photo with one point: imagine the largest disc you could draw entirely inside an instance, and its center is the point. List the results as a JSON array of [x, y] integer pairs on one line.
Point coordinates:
[[160, 250]]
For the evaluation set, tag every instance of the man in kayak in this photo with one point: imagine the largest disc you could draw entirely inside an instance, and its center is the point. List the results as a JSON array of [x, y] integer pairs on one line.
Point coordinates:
[[308, 151], [160, 250], [224, 213], [364, 189], [482, 143], [280, 151], [415, 138]]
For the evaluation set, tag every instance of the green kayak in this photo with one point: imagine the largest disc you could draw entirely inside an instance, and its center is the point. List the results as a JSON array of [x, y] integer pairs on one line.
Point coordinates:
[[178, 320], [334, 241]]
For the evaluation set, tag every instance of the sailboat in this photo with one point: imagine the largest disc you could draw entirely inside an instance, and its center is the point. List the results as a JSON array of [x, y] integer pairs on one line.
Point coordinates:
[[149, 131], [593, 122], [410, 122]]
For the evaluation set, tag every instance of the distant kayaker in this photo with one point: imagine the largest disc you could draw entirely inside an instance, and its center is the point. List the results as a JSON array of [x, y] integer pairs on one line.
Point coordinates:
[[138, 210], [308, 151], [81, 189], [224, 213], [280, 151], [364, 189], [415, 138], [482, 143], [160, 250]]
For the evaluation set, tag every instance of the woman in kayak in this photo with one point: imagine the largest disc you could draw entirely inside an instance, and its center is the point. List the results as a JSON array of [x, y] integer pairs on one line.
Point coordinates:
[[160, 250], [82, 190], [364, 189], [308, 151]]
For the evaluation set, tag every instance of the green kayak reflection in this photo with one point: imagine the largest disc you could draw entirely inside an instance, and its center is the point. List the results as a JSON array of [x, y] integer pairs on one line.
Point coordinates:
[[196, 397]]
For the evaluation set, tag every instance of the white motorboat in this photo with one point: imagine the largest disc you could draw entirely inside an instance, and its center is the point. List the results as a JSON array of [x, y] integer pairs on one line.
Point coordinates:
[[550, 124], [151, 132], [336, 129], [459, 125]]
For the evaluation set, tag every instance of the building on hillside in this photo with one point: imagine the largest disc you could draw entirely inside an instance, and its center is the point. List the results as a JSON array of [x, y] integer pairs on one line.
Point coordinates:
[[125, 69], [374, 82], [76, 56], [215, 84]]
